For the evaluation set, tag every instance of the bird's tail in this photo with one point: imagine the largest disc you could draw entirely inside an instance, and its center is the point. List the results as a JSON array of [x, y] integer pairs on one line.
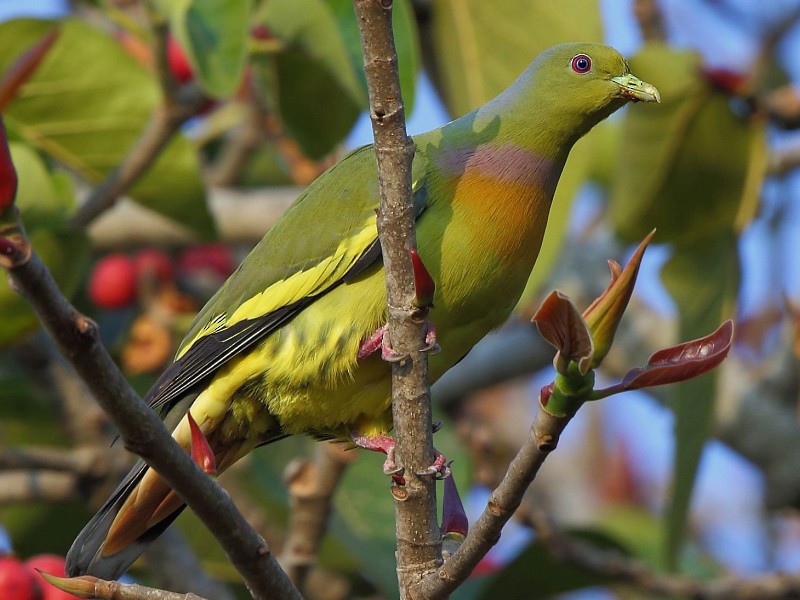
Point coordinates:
[[118, 534], [138, 511]]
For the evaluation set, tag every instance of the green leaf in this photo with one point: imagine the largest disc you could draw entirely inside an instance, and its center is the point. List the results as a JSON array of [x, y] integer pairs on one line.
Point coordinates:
[[214, 35], [703, 303], [317, 120], [315, 80], [87, 104], [535, 573], [686, 167], [44, 200], [66, 253], [41, 198], [406, 40], [481, 47], [310, 82]]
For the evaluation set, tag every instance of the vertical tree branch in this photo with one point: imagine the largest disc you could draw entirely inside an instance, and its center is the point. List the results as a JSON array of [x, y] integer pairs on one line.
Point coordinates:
[[418, 536]]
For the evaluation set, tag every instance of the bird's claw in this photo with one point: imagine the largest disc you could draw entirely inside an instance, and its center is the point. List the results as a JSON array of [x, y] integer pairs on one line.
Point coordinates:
[[379, 340], [388, 353], [431, 345], [440, 469], [389, 465]]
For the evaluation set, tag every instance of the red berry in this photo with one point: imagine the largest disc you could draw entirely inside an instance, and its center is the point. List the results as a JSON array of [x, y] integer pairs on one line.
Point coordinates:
[[486, 566], [112, 283], [178, 63], [207, 257], [17, 582], [260, 32], [52, 565], [153, 263]]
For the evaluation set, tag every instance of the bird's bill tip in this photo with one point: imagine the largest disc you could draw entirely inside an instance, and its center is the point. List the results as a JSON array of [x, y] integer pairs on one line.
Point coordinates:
[[637, 90]]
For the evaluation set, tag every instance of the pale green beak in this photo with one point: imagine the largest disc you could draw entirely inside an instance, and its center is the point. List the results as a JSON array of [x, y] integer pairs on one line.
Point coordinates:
[[637, 90]]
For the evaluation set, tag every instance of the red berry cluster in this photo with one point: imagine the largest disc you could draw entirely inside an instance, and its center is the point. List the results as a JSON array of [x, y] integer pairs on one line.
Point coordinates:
[[115, 278], [21, 581]]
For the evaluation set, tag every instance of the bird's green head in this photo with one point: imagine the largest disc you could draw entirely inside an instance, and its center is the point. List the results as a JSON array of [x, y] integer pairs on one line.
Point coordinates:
[[581, 84]]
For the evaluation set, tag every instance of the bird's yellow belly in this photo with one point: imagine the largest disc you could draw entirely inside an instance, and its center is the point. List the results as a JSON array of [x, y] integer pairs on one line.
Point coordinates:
[[308, 375]]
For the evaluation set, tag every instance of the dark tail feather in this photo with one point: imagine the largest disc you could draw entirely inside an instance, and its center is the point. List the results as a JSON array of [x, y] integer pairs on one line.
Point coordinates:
[[85, 557]]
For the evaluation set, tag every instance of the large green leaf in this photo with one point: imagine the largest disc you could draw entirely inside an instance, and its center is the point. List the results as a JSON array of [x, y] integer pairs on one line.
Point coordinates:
[[86, 105], [684, 166], [311, 81], [703, 279], [406, 42], [481, 47], [214, 35], [315, 80], [44, 199]]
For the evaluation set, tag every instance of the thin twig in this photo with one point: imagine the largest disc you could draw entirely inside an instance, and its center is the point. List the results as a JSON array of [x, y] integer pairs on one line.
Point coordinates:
[[100, 589], [165, 123], [179, 104], [417, 530], [142, 431], [624, 569], [29, 486], [651, 22], [173, 565], [81, 461], [311, 484]]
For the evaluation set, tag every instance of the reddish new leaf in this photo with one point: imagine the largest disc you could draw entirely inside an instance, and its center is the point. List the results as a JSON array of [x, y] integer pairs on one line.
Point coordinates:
[[424, 285], [682, 362], [202, 453], [22, 68], [604, 314], [454, 517], [8, 175], [560, 323]]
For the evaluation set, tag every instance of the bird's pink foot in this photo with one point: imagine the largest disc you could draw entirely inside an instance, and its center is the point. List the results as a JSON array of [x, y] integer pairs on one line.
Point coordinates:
[[380, 341], [386, 444], [431, 345]]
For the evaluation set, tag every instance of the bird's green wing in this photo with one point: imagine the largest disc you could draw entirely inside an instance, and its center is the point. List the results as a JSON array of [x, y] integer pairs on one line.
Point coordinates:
[[326, 237]]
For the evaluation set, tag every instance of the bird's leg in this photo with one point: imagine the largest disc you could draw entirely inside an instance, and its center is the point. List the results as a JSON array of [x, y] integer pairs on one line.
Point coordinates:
[[386, 444], [379, 340]]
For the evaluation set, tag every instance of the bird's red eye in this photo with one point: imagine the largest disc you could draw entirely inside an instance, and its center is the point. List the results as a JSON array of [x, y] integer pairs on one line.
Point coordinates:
[[581, 64]]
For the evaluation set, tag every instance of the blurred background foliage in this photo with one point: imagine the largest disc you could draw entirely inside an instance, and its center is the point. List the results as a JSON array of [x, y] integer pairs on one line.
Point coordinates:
[[280, 89]]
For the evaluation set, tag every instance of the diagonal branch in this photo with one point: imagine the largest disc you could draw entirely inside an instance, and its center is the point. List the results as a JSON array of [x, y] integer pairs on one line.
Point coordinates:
[[637, 574], [142, 431], [502, 504], [418, 536], [179, 105]]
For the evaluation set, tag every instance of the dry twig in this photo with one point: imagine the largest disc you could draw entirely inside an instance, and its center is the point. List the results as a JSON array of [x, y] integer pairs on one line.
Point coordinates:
[[142, 431], [311, 483]]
